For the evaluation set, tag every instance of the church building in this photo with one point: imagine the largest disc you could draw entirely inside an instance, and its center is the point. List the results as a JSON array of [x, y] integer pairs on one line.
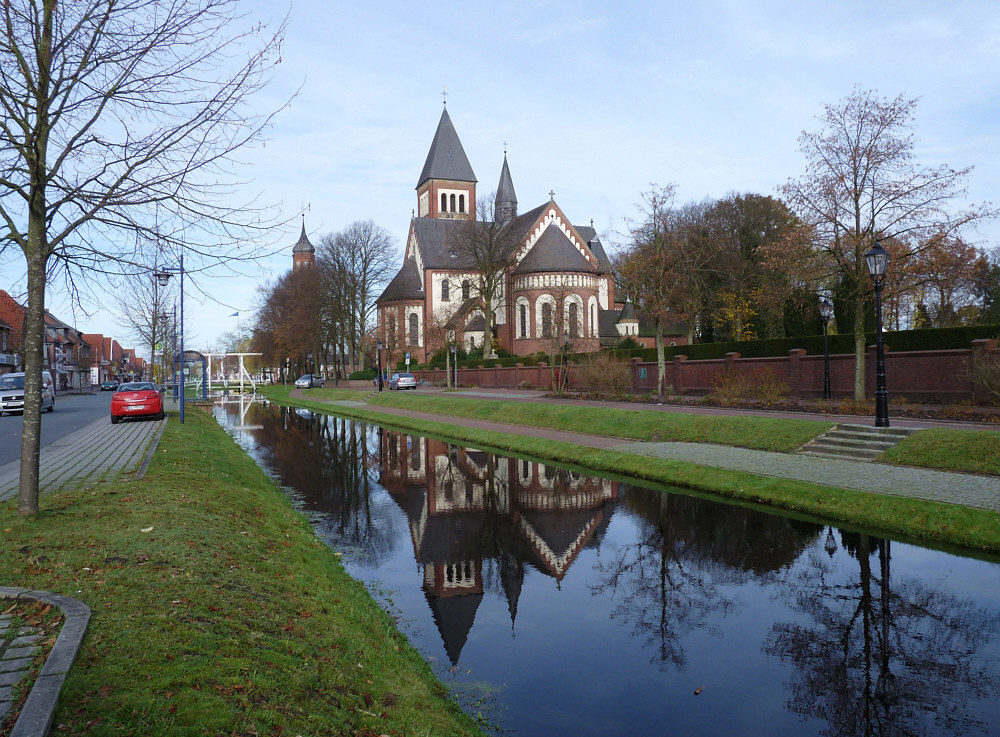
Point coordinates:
[[558, 286]]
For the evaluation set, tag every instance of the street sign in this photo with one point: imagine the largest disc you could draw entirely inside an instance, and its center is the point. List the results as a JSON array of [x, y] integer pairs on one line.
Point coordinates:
[[407, 359]]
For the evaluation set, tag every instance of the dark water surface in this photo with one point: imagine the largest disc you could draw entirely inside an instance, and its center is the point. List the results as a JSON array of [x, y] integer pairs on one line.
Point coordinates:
[[557, 603]]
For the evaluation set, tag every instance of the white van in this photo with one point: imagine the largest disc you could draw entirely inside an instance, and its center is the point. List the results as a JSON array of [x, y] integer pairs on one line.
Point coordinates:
[[12, 393]]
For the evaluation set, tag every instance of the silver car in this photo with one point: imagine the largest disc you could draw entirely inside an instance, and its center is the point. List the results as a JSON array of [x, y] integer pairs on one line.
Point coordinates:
[[12, 393], [309, 380], [402, 381]]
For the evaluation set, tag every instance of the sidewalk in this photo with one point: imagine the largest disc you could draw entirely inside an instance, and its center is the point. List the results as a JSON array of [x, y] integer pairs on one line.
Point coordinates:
[[940, 486], [96, 452]]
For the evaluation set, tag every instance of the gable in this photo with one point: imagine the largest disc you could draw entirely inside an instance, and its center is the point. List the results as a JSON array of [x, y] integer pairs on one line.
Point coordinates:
[[550, 215]]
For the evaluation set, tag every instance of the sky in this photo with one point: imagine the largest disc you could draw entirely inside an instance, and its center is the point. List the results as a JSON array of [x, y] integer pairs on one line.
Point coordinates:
[[594, 101]]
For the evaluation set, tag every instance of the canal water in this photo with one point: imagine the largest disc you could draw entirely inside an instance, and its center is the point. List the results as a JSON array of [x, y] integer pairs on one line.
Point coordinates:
[[551, 601]]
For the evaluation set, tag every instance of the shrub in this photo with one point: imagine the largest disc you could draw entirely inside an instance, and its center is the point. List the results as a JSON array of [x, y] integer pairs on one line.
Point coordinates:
[[525, 385], [984, 373], [759, 384], [604, 374], [366, 374]]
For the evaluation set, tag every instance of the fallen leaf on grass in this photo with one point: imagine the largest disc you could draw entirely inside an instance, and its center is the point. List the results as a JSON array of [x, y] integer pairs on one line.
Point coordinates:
[[146, 529]]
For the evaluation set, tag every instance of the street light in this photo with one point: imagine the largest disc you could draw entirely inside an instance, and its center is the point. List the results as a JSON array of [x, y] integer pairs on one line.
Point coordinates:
[[825, 313], [163, 277], [378, 362], [877, 259], [564, 384]]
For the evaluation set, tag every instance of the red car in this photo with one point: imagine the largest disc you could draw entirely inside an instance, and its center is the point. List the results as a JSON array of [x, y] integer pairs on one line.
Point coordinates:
[[136, 399]]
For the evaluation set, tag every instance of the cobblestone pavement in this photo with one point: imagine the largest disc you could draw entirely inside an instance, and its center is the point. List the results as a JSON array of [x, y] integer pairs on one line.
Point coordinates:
[[96, 452], [919, 483], [18, 649]]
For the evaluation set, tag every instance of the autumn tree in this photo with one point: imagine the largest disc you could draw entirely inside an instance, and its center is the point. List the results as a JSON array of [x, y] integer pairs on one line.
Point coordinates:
[[288, 325], [487, 246], [121, 119], [862, 185], [760, 255], [664, 267]]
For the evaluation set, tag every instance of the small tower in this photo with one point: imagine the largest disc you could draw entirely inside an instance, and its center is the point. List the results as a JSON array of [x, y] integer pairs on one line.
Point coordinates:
[[447, 184], [303, 253], [505, 205]]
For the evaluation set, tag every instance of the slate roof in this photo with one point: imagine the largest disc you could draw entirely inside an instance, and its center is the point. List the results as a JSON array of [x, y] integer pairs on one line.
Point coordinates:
[[303, 245], [434, 240], [505, 190], [589, 234], [553, 251], [446, 158], [405, 285]]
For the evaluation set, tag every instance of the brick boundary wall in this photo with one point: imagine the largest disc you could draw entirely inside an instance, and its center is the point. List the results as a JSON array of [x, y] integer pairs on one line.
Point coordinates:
[[920, 376]]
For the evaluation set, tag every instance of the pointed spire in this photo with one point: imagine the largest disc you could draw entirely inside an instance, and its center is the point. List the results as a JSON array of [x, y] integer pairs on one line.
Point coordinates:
[[303, 245], [506, 201], [446, 158]]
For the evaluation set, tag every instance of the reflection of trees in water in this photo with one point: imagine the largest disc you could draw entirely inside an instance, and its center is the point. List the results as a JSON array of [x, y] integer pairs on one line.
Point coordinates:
[[327, 461], [670, 582], [882, 655]]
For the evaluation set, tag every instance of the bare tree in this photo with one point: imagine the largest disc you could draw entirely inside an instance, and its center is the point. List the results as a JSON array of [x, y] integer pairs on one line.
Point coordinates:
[[141, 306], [120, 121], [360, 259], [862, 185], [488, 246]]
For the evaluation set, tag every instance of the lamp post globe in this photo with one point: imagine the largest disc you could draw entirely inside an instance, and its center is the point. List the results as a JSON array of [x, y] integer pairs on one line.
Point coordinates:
[[825, 313], [378, 362], [877, 260]]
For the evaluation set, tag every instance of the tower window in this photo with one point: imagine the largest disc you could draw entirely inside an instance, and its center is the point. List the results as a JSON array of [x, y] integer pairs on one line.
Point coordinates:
[[444, 202], [593, 319], [445, 290]]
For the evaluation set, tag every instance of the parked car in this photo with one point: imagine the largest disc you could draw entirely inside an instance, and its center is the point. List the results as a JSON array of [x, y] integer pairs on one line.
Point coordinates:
[[402, 381], [136, 399], [307, 381], [12, 393], [109, 386]]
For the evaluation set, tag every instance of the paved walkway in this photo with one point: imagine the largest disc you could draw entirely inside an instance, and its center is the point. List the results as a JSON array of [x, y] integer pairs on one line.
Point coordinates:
[[96, 452], [941, 486]]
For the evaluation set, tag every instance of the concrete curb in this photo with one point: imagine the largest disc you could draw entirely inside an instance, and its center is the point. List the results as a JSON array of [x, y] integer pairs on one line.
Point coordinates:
[[36, 716]]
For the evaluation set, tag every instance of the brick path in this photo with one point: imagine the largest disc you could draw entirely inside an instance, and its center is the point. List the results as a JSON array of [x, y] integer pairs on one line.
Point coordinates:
[[96, 452]]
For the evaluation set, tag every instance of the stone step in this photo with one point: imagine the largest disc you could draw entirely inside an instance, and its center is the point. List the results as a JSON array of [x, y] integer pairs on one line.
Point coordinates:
[[855, 442]]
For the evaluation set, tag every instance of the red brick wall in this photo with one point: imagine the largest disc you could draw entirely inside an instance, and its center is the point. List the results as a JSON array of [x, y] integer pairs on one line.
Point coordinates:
[[919, 376]]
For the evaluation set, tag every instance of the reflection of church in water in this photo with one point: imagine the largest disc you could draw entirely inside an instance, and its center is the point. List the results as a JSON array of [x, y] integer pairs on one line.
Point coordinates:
[[466, 507]]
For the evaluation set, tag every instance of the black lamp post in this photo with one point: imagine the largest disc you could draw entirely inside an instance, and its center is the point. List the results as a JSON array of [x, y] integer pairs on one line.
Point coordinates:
[[826, 312], [163, 276], [378, 361], [877, 259]]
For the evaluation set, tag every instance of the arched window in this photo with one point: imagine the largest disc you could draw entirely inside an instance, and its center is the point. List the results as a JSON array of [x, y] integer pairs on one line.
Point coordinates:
[[546, 320], [574, 320], [453, 203], [445, 290], [461, 203], [466, 289], [414, 334], [524, 321], [593, 320], [444, 202]]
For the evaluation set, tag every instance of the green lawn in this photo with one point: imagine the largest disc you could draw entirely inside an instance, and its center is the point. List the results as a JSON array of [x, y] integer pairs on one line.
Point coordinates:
[[927, 522], [216, 610]]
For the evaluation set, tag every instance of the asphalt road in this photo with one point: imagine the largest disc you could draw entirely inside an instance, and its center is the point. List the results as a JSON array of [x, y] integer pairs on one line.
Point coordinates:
[[72, 412]]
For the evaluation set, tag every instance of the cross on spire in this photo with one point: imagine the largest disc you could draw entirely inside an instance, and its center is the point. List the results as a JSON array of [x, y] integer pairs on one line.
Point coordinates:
[[444, 95], [552, 195]]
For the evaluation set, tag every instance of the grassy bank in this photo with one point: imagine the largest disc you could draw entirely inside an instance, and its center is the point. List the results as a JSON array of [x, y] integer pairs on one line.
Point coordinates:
[[930, 522], [215, 608], [759, 433]]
